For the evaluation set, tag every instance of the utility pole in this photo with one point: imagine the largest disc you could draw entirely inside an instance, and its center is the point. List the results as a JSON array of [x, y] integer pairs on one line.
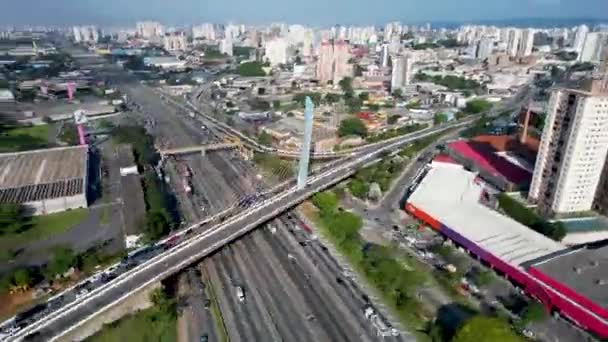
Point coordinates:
[[305, 152]]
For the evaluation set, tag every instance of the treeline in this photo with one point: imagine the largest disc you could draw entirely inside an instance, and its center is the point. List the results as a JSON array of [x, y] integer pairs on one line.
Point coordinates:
[[527, 217]]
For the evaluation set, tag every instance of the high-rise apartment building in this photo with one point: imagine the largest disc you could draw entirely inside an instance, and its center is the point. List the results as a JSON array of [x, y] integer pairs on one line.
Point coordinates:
[[276, 51], [402, 72], [484, 48], [150, 29], [513, 42], [85, 34], [573, 149], [226, 46], [579, 38], [175, 42], [593, 46], [206, 31], [384, 56], [526, 43], [333, 63]]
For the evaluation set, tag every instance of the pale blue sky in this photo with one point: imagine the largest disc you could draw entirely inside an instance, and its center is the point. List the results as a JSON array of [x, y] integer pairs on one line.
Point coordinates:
[[324, 12]]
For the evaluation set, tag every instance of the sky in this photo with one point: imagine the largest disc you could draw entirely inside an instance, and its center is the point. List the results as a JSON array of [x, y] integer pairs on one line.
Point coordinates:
[[311, 12]]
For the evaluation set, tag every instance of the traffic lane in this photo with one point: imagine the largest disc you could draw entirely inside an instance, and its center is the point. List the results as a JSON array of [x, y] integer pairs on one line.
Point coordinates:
[[192, 250], [202, 322], [334, 304]]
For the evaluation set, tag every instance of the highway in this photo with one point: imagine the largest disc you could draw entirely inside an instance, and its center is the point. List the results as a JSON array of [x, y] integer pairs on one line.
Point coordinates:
[[210, 239]]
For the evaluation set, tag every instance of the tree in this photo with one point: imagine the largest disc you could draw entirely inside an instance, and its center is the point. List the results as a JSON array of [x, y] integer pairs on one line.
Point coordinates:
[[485, 329], [12, 218], [534, 312], [346, 84], [364, 96], [163, 302], [331, 98], [398, 93], [352, 126], [276, 104], [250, 69], [358, 188], [157, 225], [265, 139], [477, 106], [326, 202], [440, 118], [63, 259], [391, 120], [22, 278]]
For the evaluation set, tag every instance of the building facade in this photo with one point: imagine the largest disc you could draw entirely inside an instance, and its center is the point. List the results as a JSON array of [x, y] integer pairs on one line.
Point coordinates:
[[333, 63], [572, 151], [276, 51], [526, 43], [402, 72]]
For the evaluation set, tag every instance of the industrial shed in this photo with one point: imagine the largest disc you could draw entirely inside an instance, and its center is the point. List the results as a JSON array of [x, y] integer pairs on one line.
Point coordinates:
[[46, 181]]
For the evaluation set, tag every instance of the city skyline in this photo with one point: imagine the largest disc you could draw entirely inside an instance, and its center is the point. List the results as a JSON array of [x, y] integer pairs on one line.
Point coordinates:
[[184, 12]]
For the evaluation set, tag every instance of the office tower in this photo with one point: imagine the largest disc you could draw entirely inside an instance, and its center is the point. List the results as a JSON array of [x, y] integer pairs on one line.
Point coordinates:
[[384, 56], [513, 43], [226, 46], [484, 48], [593, 47], [175, 42], [579, 38], [402, 72], [526, 43], [333, 63], [573, 149], [276, 51]]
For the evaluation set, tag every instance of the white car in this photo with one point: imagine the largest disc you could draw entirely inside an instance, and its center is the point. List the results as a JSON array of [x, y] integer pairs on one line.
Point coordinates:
[[240, 294]]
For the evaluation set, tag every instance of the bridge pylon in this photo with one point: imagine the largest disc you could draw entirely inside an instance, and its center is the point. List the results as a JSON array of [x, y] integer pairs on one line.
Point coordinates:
[[305, 152]]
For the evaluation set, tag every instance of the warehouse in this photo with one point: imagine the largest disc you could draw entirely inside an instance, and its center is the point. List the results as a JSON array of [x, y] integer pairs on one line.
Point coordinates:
[[46, 181], [454, 202]]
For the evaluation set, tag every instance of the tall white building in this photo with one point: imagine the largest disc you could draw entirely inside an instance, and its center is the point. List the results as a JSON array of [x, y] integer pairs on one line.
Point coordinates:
[[384, 56], [85, 34], [513, 41], [484, 48], [526, 43], [175, 42], [579, 38], [276, 51], [402, 71], [205, 30], [593, 46], [150, 29], [573, 149], [226, 46], [333, 63]]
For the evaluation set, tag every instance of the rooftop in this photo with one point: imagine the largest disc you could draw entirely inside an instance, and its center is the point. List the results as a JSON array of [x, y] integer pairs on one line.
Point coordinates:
[[42, 174], [484, 155], [452, 196], [582, 270]]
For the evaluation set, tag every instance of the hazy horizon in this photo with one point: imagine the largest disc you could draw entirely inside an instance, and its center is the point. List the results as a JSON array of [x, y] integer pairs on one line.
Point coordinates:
[[311, 12]]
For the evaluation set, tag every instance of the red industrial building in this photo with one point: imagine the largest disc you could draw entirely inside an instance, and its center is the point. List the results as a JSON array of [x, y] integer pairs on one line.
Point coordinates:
[[574, 283]]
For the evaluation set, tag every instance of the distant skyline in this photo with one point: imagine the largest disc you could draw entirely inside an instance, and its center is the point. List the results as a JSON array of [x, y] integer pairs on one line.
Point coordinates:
[[311, 12]]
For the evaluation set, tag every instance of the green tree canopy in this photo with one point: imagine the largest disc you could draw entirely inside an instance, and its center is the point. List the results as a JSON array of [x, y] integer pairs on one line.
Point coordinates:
[[63, 259], [326, 202], [440, 118], [346, 84], [331, 98], [265, 139], [486, 329], [12, 218], [352, 126], [477, 106], [250, 69]]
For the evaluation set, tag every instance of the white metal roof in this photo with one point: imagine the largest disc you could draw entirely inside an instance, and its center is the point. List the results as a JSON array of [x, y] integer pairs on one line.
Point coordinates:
[[451, 195]]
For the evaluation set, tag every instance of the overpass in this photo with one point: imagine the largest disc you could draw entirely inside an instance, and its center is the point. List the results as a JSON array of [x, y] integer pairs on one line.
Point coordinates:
[[198, 149], [208, 239]]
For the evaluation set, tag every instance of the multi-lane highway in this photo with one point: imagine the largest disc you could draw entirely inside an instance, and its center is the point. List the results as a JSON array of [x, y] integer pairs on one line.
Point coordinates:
[[208, 240]]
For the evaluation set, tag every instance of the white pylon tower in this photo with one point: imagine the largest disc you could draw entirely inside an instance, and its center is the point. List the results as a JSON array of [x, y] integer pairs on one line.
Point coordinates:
[[305, 152]]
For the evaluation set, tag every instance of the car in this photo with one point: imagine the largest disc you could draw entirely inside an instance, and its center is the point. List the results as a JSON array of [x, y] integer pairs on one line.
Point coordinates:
[[240, 293], [204, 338]]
